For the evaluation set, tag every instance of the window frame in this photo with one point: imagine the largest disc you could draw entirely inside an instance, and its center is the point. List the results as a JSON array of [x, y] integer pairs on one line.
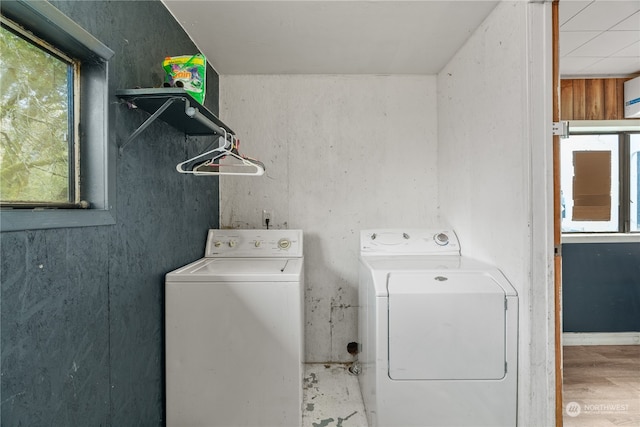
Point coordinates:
[[97, 151], [623, 130], [73, 83]]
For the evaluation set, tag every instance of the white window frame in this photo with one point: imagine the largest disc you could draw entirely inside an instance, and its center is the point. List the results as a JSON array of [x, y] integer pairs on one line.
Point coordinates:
[[604, 126], [97, 151]]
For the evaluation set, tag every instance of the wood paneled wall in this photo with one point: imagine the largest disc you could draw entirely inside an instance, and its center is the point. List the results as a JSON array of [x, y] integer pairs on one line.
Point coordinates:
[[592, 99]]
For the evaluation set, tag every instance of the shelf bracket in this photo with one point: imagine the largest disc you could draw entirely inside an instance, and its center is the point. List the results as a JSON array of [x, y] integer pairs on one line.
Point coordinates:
[[194, 113], [147, 122]]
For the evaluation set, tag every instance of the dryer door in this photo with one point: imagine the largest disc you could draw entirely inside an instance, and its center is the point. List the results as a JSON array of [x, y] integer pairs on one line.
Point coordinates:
[[446, 326]]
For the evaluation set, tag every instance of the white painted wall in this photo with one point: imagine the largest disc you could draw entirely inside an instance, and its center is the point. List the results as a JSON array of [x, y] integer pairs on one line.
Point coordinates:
[[345, 153], [342, 153], [494, 175]]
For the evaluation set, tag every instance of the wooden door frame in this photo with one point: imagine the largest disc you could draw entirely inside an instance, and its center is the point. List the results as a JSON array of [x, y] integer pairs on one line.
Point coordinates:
[[555, 25]]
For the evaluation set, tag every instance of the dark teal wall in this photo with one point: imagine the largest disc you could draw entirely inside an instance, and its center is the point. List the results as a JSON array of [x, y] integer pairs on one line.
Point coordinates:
[[601, 287], [82, 308]]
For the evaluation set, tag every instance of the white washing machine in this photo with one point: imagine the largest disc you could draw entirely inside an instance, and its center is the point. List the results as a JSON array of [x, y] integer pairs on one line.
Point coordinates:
[[438, 333], [234, 342]]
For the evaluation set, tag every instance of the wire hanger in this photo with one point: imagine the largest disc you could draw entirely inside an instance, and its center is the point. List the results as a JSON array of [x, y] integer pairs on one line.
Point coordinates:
[[211, 162]]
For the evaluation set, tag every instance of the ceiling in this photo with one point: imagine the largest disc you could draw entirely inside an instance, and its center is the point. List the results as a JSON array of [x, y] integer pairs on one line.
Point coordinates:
[[329, 37], [599, 37]]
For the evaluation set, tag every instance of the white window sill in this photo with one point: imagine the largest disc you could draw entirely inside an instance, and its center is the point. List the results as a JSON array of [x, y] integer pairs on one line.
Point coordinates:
[[601, 238]]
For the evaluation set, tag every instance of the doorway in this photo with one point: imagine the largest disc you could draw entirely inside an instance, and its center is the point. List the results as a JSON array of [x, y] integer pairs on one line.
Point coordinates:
[[592, 82]]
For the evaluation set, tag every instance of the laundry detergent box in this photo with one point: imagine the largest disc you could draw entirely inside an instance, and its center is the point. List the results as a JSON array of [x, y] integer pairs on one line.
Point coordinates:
[[188, 72]]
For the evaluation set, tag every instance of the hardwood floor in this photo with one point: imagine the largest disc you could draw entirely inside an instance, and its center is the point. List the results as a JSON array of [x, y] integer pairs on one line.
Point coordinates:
[[601, 386]]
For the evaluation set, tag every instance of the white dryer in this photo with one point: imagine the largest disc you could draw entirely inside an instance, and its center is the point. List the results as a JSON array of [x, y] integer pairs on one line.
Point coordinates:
[[234, 342], [438, 333]]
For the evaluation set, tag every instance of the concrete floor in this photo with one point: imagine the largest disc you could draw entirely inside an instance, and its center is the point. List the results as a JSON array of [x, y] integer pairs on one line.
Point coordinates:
[[331, 397]]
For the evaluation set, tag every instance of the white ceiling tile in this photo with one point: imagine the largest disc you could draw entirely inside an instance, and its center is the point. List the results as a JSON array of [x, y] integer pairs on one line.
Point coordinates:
[[623, 66], [607, 43], [632, 23], [632, 50], [568, 9], [571, 40], [575, 66], [602, 15]]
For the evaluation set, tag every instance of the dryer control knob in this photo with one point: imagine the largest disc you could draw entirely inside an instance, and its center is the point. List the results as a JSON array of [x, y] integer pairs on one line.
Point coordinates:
[[217, 244], [258, 243], [442, 239], [284, 243], [232, 243]]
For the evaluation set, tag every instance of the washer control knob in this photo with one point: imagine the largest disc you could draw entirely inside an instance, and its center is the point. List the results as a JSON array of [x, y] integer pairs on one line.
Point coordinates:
[[442, 239], [217, 244], [257, 243], [232, 243], [284, 243]]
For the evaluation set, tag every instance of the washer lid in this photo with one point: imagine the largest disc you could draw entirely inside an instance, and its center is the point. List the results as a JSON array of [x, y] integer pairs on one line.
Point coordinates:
[[239, 270], [380, 267], [446, 326], [443, 282]]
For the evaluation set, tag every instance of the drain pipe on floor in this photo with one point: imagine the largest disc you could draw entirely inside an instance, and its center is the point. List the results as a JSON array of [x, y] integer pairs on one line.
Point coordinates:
[[352, 348]]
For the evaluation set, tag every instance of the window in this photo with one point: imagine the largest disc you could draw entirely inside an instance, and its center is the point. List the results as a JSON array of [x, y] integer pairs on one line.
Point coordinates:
[[599, 182], [59, 133], [634, 182], [37, 143]]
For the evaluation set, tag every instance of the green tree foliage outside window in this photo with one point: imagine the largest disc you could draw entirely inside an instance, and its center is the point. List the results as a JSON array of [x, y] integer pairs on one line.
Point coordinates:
[[36, 125]]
